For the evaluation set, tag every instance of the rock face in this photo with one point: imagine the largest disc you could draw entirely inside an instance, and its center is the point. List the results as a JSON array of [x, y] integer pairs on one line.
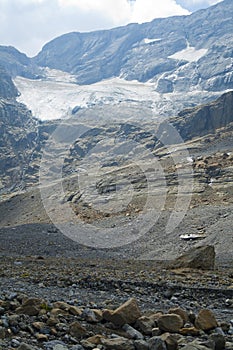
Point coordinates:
[[206, 119], [17, 63], [18, 135], [177, 53], [197, 258]]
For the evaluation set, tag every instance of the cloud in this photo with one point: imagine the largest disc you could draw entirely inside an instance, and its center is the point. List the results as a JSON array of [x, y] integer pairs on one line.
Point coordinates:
[[29, 24]]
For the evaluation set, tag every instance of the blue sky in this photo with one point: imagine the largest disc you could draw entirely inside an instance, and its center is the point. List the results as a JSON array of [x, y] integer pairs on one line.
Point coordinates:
[[29, 24]]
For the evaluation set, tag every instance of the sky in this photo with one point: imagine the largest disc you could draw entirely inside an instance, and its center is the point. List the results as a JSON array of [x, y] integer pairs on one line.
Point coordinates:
[[29, 24]]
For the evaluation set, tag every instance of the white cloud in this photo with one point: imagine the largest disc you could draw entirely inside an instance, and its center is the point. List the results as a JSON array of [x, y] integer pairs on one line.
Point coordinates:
[[146, 10]]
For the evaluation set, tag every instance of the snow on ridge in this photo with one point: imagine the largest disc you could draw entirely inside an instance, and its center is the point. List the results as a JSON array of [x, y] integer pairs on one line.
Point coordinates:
[[189, 54]]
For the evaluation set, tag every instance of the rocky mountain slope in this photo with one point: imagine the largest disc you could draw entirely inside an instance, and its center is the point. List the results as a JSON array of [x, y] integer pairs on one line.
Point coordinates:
[[177, 54], [18, 136]]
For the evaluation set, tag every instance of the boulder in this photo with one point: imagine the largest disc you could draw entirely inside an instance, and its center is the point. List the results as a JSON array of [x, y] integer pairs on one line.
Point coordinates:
[[202, 257], [128, 312], [170, 323], [156, 343], [30, 306], [77, 330], [119, 343], [206, 320]]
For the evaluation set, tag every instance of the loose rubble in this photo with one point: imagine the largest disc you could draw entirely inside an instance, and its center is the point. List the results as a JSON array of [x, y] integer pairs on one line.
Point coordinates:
[[28, 323]]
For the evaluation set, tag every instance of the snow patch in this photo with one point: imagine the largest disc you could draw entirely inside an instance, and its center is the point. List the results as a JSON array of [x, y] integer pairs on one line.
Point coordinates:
[[189, 54], [150, 41]]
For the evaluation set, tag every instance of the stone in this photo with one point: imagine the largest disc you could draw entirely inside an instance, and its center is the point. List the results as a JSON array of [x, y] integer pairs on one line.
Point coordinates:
[[145, 325], [202, 257], [178, 311], [193, 331], [131, 332], [170, 341], [30, 307], [170, 323], [219, 341], [141, 344], [127, 313], [205, 320], [74, 310], [77, 330], [156, 343], [41, 337], [24, 346], [94, 340], [119, 343], [54, 345]]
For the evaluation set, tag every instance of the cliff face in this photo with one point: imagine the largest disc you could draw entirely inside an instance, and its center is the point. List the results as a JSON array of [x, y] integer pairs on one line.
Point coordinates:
[[18, 135], [204, 120]]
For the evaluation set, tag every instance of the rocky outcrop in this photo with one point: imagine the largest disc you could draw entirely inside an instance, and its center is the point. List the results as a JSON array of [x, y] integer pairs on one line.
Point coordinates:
[[204, 120], [16, 63]]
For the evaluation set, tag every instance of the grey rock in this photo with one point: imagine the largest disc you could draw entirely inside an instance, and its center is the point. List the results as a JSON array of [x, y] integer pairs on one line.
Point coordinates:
[[141, 344], [156, 343], [131, 332]]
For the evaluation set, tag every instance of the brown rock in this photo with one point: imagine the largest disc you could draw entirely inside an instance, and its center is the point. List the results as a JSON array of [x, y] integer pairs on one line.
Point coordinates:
[[193, 331], [202, 257], [59, 312], [119, 343], [92, 341], [74, 310], [170, 341], [170, 323], [41, 337], [77, 330], [30, 307], [182, 313], [127, 313], [206, 320], [38, 325]]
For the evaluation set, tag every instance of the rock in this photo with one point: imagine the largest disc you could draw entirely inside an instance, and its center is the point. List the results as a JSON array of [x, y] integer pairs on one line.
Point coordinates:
[[127, 313], [156, 343], [170, 341], [55, 345], [141, 344], [193, 331], [2, 333], [77, 330], [219, 341], [119, 343], [30, 307], [145, 325], [94, 340], [194, 346], [24, 346], [170, 323], [131, 332], [202, 257], [74, 310], [41, 337], [89, 316], [205, 320], [178, 311]]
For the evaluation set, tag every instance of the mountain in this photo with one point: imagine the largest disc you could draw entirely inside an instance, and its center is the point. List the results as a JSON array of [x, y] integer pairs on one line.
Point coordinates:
[[177, 54], [16, 63]]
